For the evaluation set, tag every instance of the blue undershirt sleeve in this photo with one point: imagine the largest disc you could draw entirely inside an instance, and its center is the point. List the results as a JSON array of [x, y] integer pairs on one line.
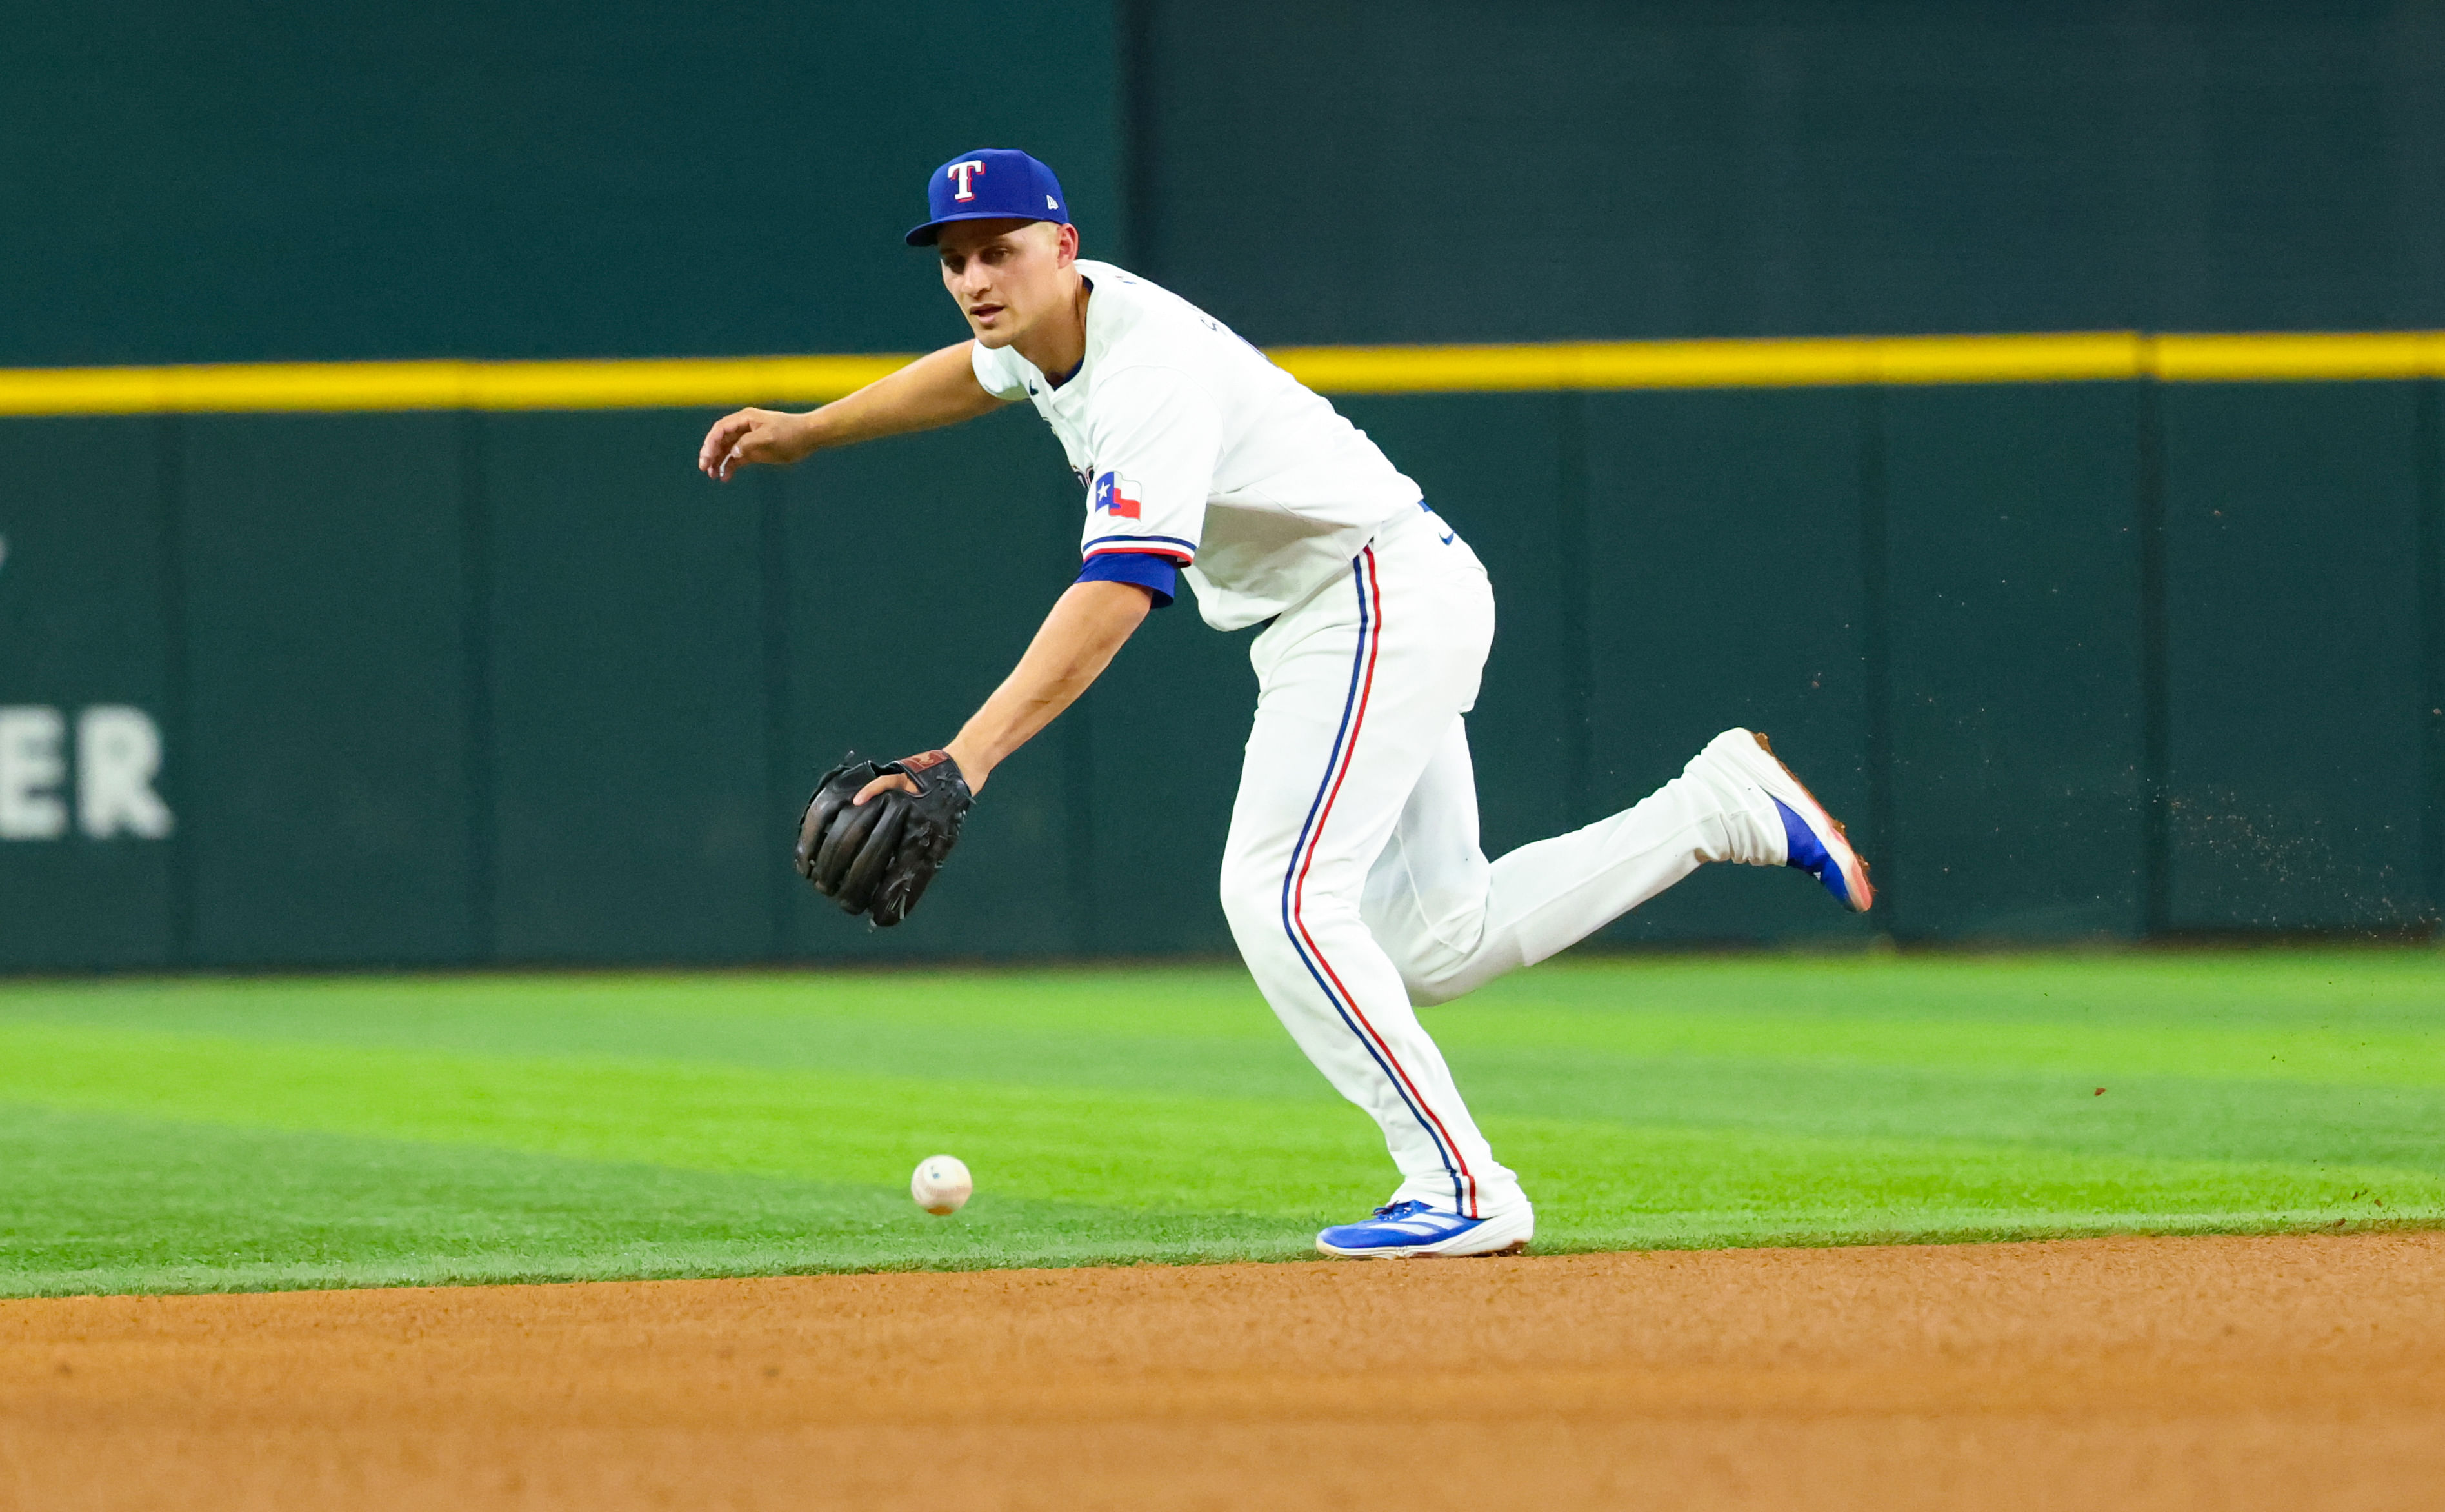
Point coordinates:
[[1158, 575]]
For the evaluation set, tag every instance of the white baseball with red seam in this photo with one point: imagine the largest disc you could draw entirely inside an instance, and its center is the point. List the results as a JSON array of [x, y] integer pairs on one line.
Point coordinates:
[[941, 1184]]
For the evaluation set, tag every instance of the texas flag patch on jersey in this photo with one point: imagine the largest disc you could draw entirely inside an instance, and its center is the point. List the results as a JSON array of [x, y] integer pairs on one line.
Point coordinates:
[[1117, 494]]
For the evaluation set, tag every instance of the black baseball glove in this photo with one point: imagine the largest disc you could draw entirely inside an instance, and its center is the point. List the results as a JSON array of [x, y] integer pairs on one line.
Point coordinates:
[[877, 858]]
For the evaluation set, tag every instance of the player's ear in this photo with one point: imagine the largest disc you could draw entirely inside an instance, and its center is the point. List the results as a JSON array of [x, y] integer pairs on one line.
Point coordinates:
[[1065, 249]]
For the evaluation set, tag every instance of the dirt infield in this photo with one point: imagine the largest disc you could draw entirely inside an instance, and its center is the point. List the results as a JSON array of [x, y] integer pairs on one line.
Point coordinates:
[[2206, 1373]]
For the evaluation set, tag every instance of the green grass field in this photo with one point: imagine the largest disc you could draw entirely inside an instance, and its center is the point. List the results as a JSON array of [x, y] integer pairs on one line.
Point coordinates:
[[215, 1133]]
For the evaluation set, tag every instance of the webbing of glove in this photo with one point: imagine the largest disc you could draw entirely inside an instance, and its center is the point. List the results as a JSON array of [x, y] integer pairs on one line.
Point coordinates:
[[926, 833]]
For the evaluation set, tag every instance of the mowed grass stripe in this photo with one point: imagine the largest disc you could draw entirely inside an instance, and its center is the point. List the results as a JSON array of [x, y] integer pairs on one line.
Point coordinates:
[[1047, 1142], [2354, 1057], [2339, 1020], [1785, 1046], [1612, 1187], [1601, 1182], [2335, 989], [111, 1202]]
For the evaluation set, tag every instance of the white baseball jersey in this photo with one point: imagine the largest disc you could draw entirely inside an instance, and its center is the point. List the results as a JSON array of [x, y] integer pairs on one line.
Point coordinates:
[[1195, 448]]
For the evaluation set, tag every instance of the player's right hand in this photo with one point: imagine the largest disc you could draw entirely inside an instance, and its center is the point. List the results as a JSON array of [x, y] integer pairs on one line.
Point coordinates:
[[747, 435]]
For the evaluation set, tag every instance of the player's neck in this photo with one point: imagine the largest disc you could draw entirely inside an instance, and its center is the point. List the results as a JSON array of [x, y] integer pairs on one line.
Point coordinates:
[[1057, 343]]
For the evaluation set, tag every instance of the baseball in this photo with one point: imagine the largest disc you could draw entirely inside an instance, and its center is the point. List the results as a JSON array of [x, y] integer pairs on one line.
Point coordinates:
[[941, 1184]]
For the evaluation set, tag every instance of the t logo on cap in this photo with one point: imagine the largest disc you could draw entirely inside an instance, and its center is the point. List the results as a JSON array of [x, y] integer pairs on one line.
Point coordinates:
[[988, 183]]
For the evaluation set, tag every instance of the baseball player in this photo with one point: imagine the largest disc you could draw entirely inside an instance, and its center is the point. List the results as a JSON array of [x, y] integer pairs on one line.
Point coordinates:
[[1351, 876]]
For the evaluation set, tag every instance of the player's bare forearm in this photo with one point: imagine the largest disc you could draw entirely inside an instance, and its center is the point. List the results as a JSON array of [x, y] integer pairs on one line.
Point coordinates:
[[1087, 628], [939, 388]]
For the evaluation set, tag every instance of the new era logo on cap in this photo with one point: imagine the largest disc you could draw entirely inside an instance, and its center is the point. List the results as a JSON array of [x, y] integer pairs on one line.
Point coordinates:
[[992, 183]]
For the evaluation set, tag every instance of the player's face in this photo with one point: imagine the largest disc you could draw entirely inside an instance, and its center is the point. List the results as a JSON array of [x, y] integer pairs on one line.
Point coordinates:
[[1006, 274]]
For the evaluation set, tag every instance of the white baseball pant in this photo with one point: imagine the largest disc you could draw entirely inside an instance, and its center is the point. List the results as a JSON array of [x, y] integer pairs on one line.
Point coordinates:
[[1352, 878]]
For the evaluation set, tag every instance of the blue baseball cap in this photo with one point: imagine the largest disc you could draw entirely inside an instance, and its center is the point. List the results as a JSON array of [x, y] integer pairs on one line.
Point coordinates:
[[991, 183]]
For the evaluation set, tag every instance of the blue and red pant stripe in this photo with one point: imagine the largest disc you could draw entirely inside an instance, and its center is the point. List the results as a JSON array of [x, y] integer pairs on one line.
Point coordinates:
[[1345, 743]]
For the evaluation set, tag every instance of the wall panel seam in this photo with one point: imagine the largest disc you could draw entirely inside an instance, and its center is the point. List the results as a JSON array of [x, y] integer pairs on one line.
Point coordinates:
[[2428, 452], [1875, 593], [2156, 671], [475, 587], [170, 484]]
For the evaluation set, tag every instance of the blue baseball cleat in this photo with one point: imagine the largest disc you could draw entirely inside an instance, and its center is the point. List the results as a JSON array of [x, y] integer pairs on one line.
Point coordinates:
[[1406, 1230], [1814, 840]]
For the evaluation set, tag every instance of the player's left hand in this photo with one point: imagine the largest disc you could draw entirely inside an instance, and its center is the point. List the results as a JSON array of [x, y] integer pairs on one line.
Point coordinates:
[[888, 782], [969, 768]]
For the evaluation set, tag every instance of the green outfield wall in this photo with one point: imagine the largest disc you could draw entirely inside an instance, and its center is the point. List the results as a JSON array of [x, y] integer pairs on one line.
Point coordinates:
[[2080, 660], [1451, 170], [354, 665], [211, 180]]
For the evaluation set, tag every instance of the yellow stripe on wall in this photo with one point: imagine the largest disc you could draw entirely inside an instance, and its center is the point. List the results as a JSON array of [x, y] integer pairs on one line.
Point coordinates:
[[1755, 364], [2308, 358], [257, 387], [722, 381]]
